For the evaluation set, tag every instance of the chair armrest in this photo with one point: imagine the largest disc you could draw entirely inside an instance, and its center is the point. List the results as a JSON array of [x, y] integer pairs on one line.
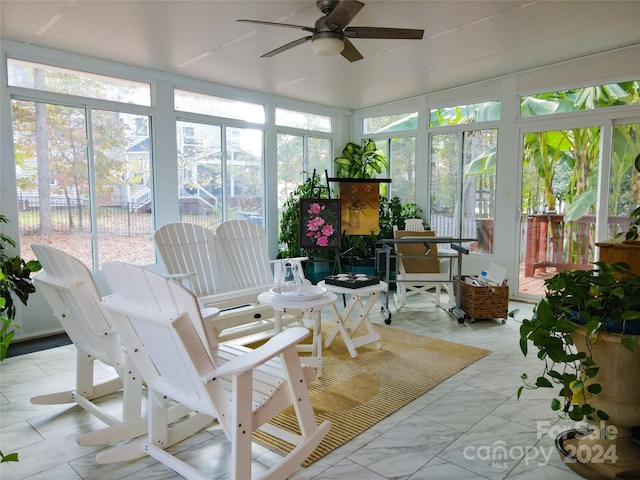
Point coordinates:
[[254, 358], [209, 313]]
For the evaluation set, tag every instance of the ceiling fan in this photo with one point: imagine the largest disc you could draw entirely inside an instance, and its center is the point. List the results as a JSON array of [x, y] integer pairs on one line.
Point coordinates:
[[330, 35]]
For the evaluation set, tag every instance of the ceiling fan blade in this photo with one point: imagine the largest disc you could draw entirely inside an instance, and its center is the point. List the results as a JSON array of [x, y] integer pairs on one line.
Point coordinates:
[[342, 14], [387, 33], [350, 52], [283, 48], [288, 25]]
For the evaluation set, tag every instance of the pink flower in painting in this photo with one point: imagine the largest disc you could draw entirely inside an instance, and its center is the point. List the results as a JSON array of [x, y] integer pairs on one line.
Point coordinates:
[[319, 225], [314, 224], [315, 209], [327, 230]]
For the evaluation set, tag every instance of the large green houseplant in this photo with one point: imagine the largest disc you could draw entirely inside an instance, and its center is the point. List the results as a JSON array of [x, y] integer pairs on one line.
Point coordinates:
[[15, 279], [361, 162], [585, 331]]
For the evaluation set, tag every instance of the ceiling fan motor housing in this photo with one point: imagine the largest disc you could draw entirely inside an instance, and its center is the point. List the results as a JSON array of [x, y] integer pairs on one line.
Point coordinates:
[[327, 6]]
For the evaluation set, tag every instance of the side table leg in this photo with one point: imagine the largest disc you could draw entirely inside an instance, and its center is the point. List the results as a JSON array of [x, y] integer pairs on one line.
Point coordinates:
[[317, 340]]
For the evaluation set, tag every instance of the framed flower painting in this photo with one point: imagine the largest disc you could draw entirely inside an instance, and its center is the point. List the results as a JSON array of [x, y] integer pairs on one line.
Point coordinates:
[[320, 223], [360, 207]]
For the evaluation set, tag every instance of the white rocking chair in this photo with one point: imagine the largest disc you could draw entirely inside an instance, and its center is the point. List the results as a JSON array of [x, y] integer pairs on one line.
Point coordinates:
[[70, 290], [160, 323]]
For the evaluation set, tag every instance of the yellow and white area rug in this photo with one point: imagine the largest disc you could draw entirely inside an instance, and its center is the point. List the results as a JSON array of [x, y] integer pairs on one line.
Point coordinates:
[[356, 393]]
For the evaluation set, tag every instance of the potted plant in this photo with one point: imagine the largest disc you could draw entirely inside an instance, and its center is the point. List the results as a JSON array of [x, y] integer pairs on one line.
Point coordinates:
[[320, 261], [15, 279], [585, 331], [394, 213], [360, 161]]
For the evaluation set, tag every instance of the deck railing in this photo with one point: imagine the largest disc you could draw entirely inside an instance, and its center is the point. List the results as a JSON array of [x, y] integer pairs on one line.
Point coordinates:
[[552, 242]]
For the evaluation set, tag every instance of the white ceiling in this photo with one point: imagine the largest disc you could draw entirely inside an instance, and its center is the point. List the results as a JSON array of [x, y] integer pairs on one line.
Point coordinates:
[[464, 41]]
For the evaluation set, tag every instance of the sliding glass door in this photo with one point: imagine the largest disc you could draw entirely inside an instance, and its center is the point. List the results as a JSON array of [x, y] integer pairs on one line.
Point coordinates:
[[561, 175]]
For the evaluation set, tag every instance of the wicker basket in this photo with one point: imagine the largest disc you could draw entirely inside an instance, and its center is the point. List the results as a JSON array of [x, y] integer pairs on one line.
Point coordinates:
[[484, 301]]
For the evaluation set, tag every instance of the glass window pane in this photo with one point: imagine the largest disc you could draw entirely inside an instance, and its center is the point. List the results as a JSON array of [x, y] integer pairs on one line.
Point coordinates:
[[200, 173], [244, 174], [463, 114], [463, 186], [624, 186], [559, 194], [74, 82], [52, 178], [217, 106], [479, 188], [303, 120], [402, 162], [290, 165], [319, 155], [390, 123], [576, 99], [122, 162], [445, 182]]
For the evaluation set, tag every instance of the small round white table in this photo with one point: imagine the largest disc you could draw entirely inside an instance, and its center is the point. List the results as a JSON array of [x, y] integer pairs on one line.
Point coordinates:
[[347, 329], [312, 309]]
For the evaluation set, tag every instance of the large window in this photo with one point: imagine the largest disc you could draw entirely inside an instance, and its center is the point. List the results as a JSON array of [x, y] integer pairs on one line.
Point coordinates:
[[463, 173], [400, 151], [83, 179], [301, 150], [220, 173]]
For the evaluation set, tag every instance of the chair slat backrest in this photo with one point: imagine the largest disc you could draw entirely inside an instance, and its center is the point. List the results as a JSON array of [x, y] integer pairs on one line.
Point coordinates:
[[69, 288], [414, 225], [244, 244], [430, 263], [186, 248], [159, 322]]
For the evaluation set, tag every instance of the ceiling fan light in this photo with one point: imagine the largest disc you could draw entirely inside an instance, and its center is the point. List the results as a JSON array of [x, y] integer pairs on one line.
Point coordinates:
[[327, 46]]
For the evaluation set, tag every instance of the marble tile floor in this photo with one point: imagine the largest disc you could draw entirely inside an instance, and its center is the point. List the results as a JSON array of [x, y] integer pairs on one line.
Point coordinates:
[[470, 427]]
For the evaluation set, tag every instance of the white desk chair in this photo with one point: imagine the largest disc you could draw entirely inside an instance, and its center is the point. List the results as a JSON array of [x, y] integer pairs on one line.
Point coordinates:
[[414, 225], [418, 271], [180, 360]]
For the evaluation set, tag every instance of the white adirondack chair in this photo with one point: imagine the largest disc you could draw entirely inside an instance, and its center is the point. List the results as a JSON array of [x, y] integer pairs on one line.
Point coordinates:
[[244, 245], [176, 351], [231, 283], [70, 290]]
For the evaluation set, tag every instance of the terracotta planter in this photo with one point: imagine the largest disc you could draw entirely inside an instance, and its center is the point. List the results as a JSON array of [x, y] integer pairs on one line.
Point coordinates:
[[608, 452]]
